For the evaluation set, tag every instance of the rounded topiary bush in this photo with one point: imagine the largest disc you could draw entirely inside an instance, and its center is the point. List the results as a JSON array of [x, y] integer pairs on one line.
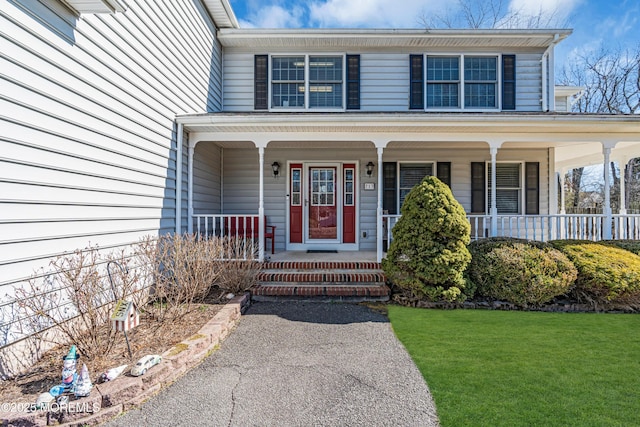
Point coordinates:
[[519, 271], [606, 274], [628, 245], [428, 254]]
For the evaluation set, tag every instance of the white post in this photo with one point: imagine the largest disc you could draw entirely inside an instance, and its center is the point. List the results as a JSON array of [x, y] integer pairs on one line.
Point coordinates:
[[623, 197], [190, 188], [494, 208], [562, 175], [261, 205], [179, 137], [607, 194], [379, 236]]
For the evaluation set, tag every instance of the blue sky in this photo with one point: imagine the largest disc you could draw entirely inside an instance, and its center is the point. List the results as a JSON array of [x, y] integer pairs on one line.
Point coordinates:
[[596, 23]]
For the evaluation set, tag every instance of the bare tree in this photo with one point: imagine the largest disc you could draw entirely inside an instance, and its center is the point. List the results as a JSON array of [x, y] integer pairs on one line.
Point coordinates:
[[611, 79], [478, 14]]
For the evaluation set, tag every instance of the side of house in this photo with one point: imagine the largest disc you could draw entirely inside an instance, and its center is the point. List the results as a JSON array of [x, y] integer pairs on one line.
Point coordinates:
[[87, 117]]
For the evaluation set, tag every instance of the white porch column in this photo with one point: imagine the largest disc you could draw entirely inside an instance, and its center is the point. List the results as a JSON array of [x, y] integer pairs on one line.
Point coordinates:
[[179, 138], [622, 163], [261, 204], [379, 236], [606, 209], [190, 188], [494, 209], [562, 176]]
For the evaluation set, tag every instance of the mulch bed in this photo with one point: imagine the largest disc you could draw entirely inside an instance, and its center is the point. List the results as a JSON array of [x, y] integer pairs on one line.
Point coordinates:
[[147, 338]]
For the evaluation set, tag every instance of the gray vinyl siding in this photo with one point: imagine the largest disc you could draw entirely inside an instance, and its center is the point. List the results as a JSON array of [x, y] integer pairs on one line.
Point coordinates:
[[88, 139], [384, 80], [562, 104], [207, 179], [528, 82]]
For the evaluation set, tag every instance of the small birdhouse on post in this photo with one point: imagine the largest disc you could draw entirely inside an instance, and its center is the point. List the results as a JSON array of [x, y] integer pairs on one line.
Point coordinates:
[[125, 316]]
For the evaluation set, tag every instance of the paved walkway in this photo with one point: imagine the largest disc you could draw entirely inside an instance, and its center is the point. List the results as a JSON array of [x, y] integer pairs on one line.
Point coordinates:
[[298, 364]]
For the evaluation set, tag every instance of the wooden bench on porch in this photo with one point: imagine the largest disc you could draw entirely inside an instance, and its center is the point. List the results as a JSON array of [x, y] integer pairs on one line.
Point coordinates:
[[248, 227]]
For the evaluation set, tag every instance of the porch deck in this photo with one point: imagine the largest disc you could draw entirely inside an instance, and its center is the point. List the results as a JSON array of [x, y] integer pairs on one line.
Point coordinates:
[[340, 256]]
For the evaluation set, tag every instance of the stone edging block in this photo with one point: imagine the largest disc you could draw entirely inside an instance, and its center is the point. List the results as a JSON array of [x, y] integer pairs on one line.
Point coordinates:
[[126, 392]]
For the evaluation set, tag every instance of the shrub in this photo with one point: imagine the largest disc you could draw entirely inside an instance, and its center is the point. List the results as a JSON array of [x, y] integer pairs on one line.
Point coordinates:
[[428, 254], [629, 245], [606, 274], [240, 272], [519, 271], [182, 269]]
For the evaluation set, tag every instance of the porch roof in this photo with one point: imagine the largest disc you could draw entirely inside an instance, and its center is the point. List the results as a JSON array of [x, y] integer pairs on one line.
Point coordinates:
[[578, 138]]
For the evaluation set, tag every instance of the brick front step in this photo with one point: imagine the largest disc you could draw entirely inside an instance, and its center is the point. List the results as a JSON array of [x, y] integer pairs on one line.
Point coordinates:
[[378, 292], [332, 280], [322, 265], [321, 277]]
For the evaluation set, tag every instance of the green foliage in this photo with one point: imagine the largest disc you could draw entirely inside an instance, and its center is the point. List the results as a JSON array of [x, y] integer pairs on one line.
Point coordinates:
[[519, 271], [429, 254], [606, 274], [629, 245]]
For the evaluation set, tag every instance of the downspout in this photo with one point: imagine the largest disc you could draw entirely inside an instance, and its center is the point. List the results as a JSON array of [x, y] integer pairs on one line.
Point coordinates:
[[179, 138], [548, 76]]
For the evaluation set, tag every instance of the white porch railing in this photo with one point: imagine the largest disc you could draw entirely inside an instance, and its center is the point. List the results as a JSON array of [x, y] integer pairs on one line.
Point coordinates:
[[241, 229], [544, 227]]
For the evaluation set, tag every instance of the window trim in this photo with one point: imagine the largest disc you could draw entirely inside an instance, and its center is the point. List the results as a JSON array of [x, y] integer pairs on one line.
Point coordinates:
[[306, 107], [461, 80], [522, 196]]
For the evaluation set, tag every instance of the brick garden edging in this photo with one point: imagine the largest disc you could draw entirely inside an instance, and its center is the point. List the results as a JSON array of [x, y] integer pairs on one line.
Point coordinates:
[[126, 392]]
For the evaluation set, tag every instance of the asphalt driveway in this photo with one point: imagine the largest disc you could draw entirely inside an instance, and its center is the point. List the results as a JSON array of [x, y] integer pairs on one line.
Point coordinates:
[[298, 364]]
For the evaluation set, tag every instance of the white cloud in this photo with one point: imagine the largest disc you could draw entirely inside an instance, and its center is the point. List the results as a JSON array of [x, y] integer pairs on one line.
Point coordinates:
[[274, 16], [371, 13], [557, 11]]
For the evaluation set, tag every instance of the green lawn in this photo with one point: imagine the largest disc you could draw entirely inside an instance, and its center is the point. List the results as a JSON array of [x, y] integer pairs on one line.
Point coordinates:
[[504, 368]]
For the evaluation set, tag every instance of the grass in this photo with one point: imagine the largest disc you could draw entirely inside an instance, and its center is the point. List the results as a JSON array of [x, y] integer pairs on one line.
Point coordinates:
[[497, 368]]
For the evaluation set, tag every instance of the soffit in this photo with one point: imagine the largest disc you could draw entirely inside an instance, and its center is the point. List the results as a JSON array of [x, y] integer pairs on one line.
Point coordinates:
[[221, 13], [408, 39]]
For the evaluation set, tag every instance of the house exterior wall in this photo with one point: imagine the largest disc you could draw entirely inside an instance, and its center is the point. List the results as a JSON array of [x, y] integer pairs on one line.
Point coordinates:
[[240, 188], [384, 79], [207, 178], [88, 135]]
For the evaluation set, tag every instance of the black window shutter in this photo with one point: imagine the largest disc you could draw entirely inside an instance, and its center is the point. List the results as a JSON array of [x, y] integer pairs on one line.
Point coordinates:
[[444, 172], [477, 187], [508, 82], [260, 82], [353, 82], [532, 188], [389, 189], [416, 87]]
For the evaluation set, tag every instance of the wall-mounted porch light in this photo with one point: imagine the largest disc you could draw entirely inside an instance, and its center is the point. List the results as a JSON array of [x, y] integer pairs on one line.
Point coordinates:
[[370, 167], [276, 168]]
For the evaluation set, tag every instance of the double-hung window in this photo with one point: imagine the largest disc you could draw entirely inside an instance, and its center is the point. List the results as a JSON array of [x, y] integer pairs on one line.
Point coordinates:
[[287, 81], [508, 188], [410, 175], [480, 81], [307, 82], [462, 81], [443, 81]]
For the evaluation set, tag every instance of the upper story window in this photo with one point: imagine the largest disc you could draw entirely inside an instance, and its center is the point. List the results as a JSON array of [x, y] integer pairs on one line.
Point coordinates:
[[480, 81], [321, 77], [464, 82], [313, 82]]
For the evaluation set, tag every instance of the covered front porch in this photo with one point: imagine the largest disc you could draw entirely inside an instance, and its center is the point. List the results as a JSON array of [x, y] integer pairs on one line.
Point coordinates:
[[334, 182]]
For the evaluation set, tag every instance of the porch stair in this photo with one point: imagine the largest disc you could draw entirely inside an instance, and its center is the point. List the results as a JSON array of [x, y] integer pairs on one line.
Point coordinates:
[[321, 280]]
